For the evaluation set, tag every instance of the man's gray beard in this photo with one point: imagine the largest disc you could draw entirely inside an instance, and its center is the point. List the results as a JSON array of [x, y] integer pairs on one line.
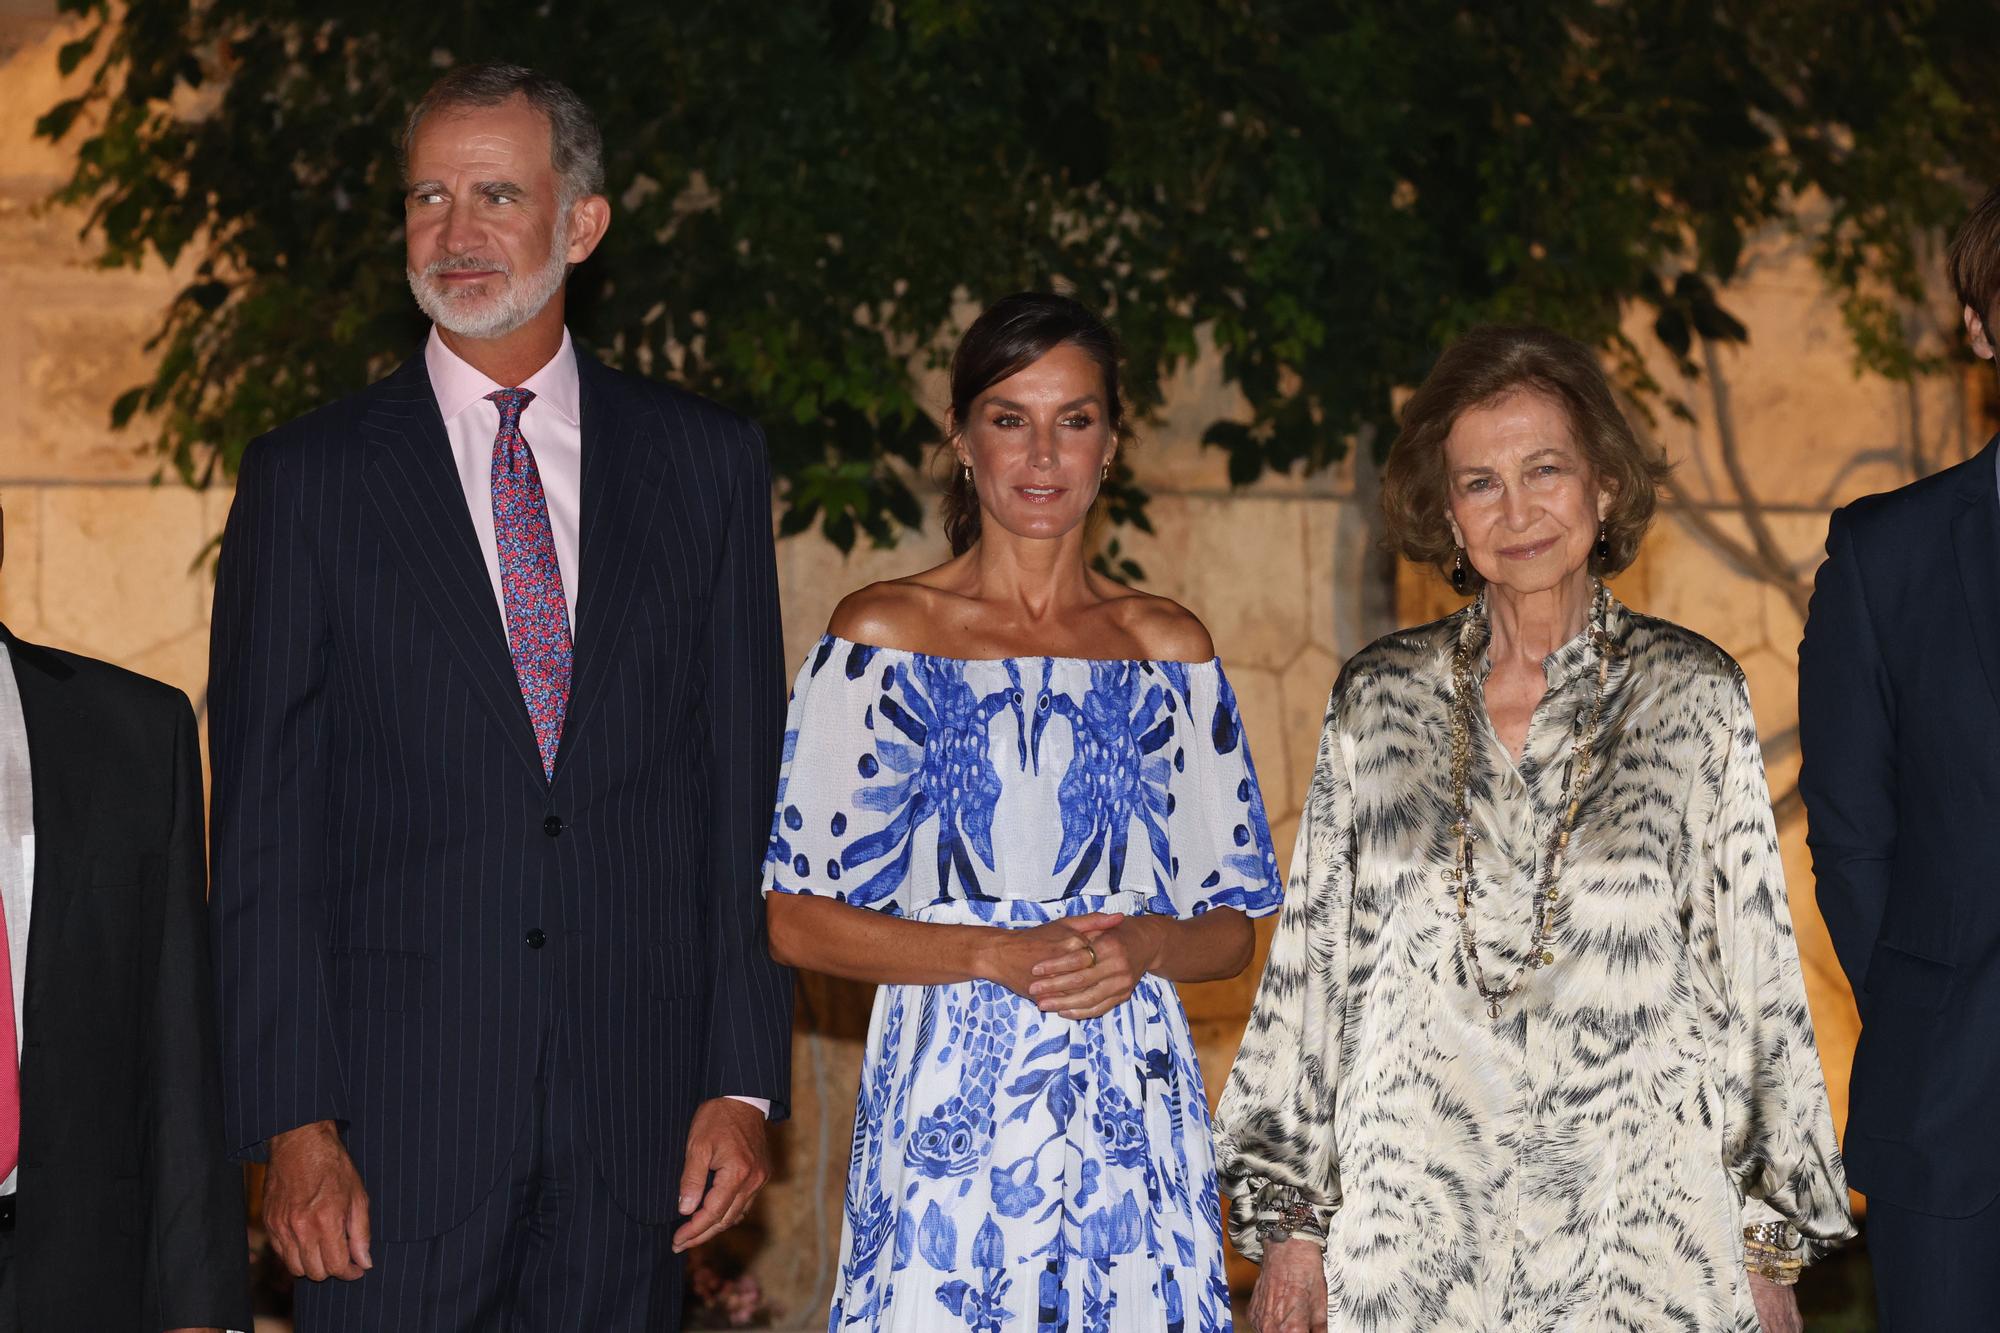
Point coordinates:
[[518, 302]]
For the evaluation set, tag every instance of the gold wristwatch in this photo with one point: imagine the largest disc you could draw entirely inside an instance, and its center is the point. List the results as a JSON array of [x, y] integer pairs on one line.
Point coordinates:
[[1774, 1251]]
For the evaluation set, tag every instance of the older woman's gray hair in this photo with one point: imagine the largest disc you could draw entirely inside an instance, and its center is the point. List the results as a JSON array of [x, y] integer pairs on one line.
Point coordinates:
[[1485, 366]]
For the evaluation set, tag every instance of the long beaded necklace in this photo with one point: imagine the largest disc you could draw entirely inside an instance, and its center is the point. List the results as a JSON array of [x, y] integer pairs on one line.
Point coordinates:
[[1464, 875]]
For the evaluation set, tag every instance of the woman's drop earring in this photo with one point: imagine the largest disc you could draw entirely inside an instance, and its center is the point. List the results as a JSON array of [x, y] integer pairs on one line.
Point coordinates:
[[1459, 578], [968, 472], [1603, 548], [1106, 474]]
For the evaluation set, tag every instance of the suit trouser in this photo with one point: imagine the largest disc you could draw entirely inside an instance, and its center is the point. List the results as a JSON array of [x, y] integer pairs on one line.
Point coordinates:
[[548, 1251], [1935, 1274], [10, 1284]]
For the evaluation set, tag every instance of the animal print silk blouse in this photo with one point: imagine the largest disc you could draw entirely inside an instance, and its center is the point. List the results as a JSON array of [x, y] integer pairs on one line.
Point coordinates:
[[1589, 1158]]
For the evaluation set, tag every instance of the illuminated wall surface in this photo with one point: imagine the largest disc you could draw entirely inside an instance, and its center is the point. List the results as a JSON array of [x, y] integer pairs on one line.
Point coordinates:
[[1286, 574]]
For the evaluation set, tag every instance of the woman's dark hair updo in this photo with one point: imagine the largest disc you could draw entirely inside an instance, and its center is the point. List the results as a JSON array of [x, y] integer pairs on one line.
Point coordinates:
[[1009, 336]]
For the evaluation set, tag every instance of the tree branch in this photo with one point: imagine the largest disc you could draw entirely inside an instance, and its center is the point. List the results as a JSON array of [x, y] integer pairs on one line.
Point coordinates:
[[1770, 560]]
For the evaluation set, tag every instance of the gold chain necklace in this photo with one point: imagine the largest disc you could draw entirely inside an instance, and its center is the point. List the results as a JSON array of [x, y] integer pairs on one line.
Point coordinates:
[[1463, 876]]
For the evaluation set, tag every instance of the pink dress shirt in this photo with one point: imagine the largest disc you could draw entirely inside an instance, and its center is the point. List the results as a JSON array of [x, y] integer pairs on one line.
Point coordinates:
[[552, 424]]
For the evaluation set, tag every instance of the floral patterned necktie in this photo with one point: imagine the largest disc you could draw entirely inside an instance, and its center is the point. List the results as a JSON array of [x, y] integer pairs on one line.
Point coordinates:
[[530, 580]]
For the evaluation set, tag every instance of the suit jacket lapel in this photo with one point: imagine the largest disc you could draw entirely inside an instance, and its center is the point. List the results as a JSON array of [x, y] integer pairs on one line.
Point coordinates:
[[415, 487], [62, 801], [619, 474], [1977, 535]]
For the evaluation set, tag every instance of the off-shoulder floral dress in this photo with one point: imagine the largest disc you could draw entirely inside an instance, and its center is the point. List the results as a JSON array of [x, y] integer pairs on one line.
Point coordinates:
[[1013, 1169], [1588, 1159]]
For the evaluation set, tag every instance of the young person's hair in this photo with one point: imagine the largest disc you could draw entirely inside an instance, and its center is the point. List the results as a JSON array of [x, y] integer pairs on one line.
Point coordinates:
[[1009, 336], [1974, 258]]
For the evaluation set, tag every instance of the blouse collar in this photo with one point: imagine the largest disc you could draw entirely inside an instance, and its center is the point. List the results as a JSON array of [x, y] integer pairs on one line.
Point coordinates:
[[1569, 661]]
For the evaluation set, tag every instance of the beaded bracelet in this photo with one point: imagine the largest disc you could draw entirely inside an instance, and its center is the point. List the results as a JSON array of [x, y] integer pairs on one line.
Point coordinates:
[[1294, 1220]]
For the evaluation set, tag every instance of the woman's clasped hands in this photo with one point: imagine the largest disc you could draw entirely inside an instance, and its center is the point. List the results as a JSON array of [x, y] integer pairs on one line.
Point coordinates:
[[1079, 967]]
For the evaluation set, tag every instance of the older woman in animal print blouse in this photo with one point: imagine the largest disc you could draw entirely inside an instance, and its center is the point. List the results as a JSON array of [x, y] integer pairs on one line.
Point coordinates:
[[1532, 1050]]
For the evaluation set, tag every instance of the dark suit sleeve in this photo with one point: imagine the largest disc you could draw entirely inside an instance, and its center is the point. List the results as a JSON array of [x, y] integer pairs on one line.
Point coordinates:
[[199, 1251], [267, 736], [1847, 772], [750, 1026]]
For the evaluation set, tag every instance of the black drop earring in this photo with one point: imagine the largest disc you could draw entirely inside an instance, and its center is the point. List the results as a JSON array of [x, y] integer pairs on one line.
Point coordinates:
[[1460, 580], [1603, 548]]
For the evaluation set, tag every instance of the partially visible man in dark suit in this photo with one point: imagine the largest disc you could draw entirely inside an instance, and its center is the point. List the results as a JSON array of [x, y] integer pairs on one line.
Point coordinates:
[[496, 999], [120, 1211], [1899, 724]]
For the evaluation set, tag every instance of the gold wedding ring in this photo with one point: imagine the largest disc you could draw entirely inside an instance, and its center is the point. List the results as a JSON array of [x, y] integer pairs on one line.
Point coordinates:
[[1093, 952]]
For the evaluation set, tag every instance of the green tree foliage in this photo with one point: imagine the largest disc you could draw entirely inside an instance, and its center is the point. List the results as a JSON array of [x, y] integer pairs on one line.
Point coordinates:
[[807, 190]]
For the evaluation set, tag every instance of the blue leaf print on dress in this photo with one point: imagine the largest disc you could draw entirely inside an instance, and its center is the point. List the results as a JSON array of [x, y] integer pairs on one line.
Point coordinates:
[[1046, 1080], [983, 1307], [937, 1239], [989, 1250], [1111, 1231]]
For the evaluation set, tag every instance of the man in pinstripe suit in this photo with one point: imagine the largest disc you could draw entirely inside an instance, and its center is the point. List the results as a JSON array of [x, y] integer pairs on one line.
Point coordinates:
[[495, 999]]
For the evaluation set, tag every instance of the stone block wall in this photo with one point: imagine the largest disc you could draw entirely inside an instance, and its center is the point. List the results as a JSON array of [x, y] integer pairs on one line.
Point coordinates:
[[99, 557]]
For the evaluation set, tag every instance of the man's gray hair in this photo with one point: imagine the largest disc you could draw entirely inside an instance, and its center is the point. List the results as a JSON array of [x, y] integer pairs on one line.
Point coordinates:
[[576, 146]]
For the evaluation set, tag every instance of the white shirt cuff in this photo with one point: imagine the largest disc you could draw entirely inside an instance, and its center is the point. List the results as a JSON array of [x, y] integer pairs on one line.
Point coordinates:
[[763, 1104]]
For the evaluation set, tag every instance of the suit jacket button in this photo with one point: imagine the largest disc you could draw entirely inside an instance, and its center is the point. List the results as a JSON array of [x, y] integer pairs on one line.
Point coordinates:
[[536, 939], [552, 825]]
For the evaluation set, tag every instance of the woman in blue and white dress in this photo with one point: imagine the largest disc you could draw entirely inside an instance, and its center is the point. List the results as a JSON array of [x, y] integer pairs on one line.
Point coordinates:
[[1018, 797]]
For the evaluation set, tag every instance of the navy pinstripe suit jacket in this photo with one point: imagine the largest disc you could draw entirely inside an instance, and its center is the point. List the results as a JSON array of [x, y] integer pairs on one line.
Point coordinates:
[[403, 905]]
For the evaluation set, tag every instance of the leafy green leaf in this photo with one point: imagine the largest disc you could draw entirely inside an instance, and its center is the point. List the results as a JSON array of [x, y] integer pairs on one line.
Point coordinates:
[[1245, 179], [1671, 327], [70, 54], [1711, 321], [126, 404], [55, 122]]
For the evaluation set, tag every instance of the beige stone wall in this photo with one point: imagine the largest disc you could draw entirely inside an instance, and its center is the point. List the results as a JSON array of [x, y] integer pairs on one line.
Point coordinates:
[[101, 559], [98, 558]]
